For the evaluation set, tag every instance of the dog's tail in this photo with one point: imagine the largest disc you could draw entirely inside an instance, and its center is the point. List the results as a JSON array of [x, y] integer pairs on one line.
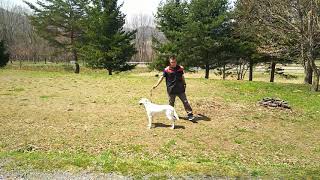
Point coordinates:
[[175, 114]]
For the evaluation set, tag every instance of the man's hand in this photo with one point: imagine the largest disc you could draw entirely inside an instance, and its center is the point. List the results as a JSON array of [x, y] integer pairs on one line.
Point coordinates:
[[185, 86], [159, 81]]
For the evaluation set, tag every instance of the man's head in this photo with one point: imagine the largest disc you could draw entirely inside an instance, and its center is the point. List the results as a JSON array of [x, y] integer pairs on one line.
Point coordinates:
[[173, 61]]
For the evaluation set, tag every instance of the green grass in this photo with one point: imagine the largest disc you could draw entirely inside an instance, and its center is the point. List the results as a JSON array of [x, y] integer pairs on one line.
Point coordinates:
[[62, 121], [252, 91]]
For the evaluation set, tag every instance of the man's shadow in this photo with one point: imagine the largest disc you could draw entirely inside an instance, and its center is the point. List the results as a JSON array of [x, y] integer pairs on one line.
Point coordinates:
[[198, 117], [156, 125]]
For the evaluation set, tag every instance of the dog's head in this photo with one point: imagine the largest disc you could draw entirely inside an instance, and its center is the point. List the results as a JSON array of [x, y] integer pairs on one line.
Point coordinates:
[[144, 101]]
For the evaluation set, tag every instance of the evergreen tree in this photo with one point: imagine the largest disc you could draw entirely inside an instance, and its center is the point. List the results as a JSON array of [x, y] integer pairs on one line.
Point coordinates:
[[4, 57], [245, 38], [206, 34], [171, 18], [58, 21], [107, 45]]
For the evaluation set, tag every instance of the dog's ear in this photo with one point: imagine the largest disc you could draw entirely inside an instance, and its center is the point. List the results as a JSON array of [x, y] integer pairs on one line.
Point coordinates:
[[141, 99]]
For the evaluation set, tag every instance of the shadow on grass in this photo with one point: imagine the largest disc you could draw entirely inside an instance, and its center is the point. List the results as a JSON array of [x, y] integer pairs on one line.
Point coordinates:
[[161, 125], [198, 117]]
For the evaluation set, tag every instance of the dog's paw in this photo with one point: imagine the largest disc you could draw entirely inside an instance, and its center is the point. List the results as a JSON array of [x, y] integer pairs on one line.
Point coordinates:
[[172, 127], [149, 127]]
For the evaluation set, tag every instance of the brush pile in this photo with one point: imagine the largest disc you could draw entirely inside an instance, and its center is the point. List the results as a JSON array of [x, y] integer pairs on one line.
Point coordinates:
[[274, 103]]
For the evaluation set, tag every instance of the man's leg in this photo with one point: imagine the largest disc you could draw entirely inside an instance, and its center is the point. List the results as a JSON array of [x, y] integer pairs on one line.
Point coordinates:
[[172, 99], [186, 105]]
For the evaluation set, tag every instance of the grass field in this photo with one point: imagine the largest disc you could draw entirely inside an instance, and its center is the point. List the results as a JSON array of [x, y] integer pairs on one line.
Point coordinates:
[[52, 121]]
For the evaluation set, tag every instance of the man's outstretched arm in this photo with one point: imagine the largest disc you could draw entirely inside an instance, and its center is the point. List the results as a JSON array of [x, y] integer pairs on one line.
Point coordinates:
[[159, 81]]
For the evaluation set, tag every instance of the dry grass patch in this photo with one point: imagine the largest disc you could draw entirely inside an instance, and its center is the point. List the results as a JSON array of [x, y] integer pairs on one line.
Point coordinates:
[[66, 121]]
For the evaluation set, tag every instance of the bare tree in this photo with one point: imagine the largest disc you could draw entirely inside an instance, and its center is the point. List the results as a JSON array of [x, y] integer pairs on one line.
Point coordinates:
[[295, 25], [23, 41], [144, 24]]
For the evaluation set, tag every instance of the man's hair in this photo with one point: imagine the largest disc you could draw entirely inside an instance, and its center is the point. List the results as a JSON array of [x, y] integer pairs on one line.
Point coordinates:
[[172, 57]]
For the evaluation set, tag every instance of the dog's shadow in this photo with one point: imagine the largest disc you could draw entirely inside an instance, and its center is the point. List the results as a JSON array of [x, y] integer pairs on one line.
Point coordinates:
[[198, 117], [161, 125]]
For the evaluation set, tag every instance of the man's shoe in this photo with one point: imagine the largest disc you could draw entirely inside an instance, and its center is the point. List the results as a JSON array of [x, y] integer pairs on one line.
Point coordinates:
[[191, 117]]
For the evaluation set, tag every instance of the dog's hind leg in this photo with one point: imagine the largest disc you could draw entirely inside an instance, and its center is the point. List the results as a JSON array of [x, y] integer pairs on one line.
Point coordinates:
[[175, 114], [172, 127], [149, 121], [170, 116]]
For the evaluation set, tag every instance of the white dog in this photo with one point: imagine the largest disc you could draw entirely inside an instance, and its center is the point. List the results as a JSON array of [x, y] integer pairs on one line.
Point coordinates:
[[153, 109]]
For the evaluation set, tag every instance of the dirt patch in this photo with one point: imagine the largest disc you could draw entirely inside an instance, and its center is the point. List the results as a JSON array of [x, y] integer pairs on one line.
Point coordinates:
[[94, 115]]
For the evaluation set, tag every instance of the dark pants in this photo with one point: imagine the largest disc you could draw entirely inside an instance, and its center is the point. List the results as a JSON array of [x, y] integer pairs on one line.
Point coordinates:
[[183, 98]]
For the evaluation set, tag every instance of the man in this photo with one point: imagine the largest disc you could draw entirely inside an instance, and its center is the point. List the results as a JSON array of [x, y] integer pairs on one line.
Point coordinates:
[[176, 85]]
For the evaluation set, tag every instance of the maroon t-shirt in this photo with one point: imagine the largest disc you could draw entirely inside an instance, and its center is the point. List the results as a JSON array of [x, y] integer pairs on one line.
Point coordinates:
[[174, 80]]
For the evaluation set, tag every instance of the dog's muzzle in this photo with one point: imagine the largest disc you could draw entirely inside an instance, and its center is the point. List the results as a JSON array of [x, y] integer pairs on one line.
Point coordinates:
[[140, 103]]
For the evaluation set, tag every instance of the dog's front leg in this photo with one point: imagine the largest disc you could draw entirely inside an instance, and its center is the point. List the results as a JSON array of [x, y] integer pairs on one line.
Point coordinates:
[[150, 121], [172, 127]]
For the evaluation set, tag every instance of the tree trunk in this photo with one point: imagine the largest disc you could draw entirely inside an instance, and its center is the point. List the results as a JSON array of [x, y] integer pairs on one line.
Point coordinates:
[[75, 54], [308, 74], [20, 63], [311, 50], [273, 70], [316, 71], [224, 72], [110, 71], [207, 71], [308, 71], [75, 58], [77, 70], [307, 68], [239, 72], [315, 84], [250, 70]]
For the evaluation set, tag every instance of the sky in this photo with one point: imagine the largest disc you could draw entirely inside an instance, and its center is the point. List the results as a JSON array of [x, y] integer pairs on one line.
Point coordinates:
[[130, 7]]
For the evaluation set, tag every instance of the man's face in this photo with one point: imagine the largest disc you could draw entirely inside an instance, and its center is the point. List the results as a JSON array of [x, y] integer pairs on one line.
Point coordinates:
[[173, 63]]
